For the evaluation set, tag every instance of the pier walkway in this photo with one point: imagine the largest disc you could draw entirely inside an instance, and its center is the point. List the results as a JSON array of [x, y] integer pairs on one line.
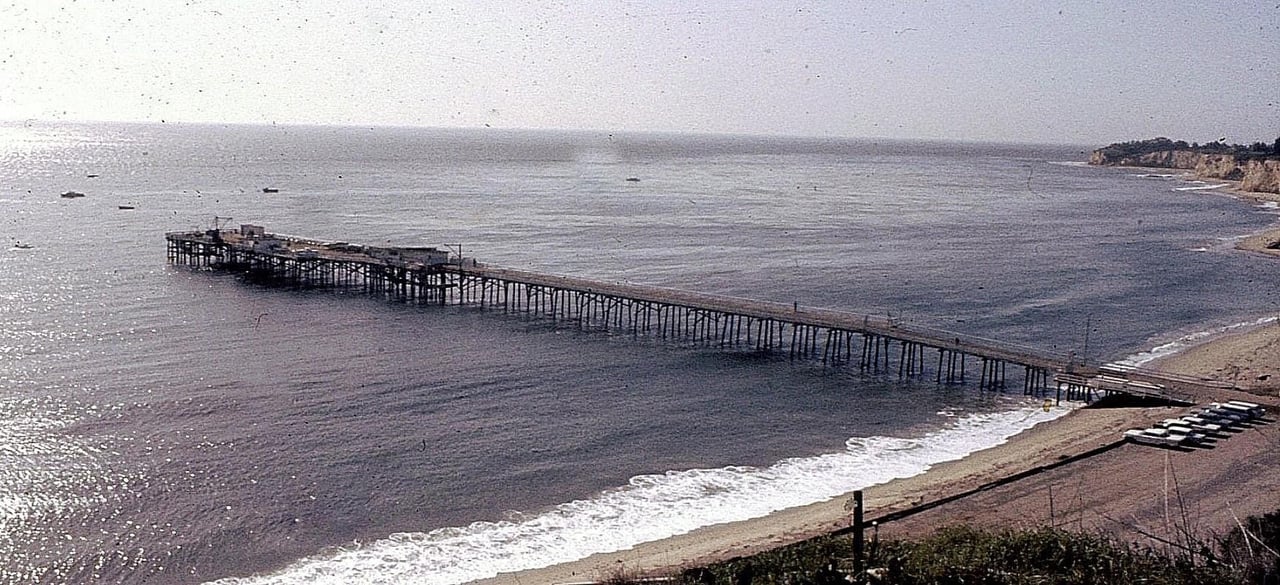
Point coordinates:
[[877, 345]]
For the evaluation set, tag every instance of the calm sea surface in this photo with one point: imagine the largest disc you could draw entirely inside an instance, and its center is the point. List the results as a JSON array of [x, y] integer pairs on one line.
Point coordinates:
[[165, 425]]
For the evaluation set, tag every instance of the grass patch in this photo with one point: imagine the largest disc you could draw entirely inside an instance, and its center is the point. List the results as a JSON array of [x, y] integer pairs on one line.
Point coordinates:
[[1038, 556]]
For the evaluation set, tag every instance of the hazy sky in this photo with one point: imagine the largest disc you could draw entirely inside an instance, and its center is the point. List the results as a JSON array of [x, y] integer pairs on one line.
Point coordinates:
[[1068, 72]]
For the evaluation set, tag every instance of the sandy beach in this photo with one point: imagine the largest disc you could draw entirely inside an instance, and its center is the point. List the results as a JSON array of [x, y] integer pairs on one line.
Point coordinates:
[[1080, 431], [1092, 481], [1076, 472]]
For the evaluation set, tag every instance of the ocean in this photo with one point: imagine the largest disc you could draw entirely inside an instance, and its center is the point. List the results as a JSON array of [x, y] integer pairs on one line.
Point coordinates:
[[161, 424]]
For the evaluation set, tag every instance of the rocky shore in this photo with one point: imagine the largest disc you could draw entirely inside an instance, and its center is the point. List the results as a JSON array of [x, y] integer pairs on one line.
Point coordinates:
[[1256, 174]]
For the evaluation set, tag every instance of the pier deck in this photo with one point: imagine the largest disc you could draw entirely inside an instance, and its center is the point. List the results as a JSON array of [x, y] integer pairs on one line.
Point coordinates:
[[877, 344]]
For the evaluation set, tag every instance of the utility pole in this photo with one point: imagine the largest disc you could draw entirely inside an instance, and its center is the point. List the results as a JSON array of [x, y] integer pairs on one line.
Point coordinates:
[[457, 250], [1084, 357]]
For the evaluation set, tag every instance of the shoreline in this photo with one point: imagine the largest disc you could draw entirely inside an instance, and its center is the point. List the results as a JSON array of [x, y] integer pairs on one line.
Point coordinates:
[[1259, 241], [1012, 484], [1084, 431], [1266, 241]]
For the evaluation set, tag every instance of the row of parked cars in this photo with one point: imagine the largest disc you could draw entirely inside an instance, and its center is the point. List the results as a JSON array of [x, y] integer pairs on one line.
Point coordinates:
[[1198, 426]]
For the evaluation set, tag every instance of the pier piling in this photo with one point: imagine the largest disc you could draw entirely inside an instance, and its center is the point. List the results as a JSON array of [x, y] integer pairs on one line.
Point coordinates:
[[426, 275]]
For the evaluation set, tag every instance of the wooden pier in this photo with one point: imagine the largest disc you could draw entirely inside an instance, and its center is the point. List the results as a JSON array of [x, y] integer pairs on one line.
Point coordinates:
[[876, 345]]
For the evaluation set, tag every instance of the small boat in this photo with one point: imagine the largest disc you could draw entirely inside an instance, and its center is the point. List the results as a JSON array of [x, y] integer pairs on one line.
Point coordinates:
[[1175, 425], [1148, 437], [72, 194], [633, 179], [1239, 408], [1257, 409], [1217, 415], [270, 190], [1185, 432], [92, 175], [1201, 424], [23, 246], [126, 207]]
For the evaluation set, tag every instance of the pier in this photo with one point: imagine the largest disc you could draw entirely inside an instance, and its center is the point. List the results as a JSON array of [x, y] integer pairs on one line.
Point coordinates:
[[874, 344]]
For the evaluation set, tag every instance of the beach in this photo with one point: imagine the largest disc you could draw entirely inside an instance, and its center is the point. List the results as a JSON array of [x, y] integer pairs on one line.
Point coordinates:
[[1077, 432], [1074, 472], [1078, 474], [275, 435]]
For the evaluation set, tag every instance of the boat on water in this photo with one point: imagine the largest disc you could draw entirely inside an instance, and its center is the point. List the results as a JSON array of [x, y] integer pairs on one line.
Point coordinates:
[[23, 246], [1150, 437], [126, 207], [270, 190], [72, 194]]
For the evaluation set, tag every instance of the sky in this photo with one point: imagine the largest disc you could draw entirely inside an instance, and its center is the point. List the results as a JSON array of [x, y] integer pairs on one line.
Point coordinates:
[[1013, 71]]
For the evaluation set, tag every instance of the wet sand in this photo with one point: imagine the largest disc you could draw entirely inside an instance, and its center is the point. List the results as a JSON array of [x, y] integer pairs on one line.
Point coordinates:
[[1150, 495], [1088, 478], [1080, 431], [1141, 493]]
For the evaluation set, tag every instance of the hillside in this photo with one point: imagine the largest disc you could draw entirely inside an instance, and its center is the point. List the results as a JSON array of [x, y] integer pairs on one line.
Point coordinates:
[[1257, 166]]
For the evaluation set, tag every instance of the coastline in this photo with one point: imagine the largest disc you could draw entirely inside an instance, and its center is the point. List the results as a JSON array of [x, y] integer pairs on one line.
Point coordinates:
[[1077, 432], [1103, 483], [1266, 241], [1249, 358], [1258, 242]]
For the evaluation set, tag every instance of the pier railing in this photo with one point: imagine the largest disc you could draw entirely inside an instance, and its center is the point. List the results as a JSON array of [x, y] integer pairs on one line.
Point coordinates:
[[879, 345], [804, 314]]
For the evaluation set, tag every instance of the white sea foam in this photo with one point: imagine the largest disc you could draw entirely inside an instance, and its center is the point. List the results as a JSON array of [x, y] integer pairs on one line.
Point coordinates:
[[1181, 343], [1204, 187], [650, 507]]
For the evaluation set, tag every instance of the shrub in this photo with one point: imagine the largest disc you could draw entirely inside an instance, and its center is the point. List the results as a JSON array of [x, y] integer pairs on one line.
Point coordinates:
[[967, 555]]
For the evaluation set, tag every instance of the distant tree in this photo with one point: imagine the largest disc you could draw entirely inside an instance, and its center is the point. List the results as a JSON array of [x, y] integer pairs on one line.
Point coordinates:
[[1221, 146]]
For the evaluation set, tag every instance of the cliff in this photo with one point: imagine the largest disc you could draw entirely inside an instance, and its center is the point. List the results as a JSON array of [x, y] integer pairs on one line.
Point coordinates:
[[1256, 174]]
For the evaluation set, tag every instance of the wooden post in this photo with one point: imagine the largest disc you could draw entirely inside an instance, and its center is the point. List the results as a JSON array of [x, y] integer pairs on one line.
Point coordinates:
[[858, 536]]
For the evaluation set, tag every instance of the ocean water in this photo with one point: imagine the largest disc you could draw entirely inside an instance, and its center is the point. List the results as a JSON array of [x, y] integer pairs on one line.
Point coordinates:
[[165, 425]]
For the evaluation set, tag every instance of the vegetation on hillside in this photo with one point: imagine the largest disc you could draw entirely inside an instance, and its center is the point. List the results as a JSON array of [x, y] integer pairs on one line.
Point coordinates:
[[1045, 555], [1140, 147]]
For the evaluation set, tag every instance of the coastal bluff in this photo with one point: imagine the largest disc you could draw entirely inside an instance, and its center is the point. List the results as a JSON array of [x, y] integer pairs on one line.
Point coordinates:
[[1258, 172]]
